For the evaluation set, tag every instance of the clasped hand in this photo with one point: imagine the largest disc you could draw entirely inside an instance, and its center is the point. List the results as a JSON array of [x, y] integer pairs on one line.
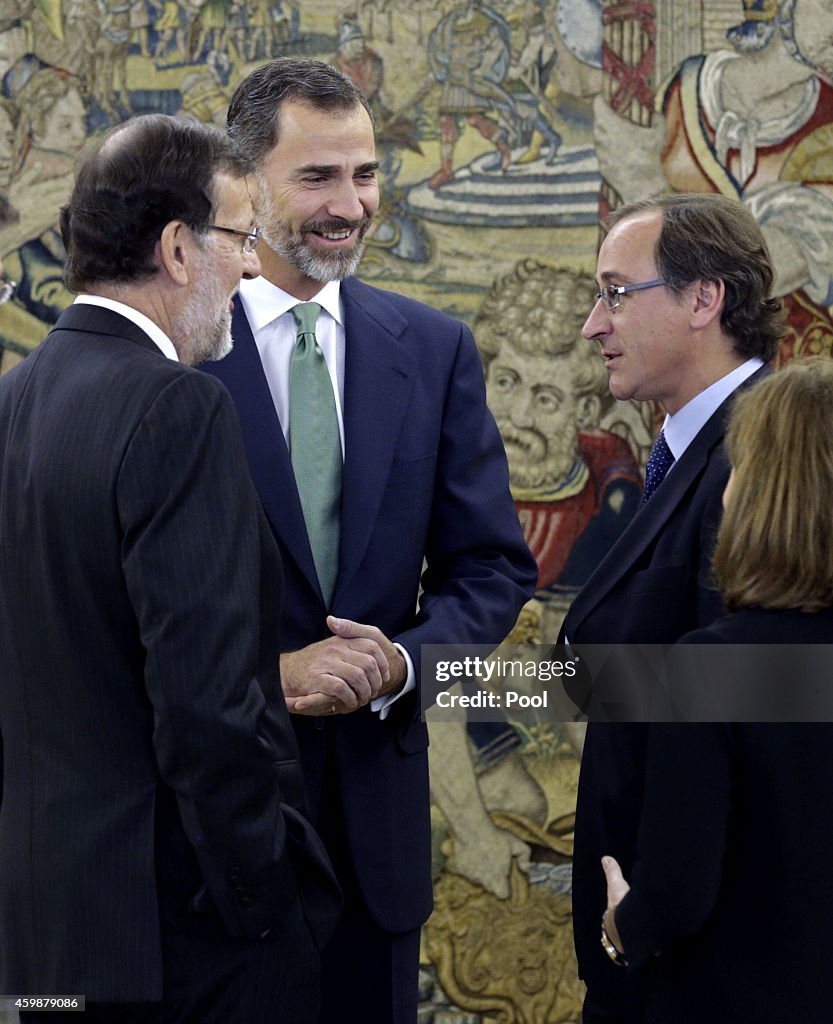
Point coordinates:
[[343, 672]]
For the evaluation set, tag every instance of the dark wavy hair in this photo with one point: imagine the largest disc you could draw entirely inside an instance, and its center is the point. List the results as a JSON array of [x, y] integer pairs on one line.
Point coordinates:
[[253, 114], [144, 173], [711, 237]]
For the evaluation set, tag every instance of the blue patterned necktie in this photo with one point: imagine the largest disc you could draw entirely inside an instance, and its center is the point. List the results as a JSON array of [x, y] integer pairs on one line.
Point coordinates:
[[659, 462], [315, 446]]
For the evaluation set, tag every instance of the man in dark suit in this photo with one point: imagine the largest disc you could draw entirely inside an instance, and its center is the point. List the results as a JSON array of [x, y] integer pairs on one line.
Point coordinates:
[[684, 317], [417, 474], [153, 856]]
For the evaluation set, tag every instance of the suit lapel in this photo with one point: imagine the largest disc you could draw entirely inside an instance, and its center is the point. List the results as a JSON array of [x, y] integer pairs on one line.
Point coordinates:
[[646, 524], [269, 463], [650, 519], [379, 379]]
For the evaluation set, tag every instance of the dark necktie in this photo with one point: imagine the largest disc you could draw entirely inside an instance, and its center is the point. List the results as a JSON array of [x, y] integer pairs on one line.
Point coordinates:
[[315, 446], [659, 462]]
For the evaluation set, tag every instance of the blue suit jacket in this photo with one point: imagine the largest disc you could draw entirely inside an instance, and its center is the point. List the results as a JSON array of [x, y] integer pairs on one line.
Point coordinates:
[[425, 480], [653, 586]]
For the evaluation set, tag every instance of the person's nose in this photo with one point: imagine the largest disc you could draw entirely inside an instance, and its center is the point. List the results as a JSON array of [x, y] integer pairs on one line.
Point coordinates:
[[598, 324], [345, 202]]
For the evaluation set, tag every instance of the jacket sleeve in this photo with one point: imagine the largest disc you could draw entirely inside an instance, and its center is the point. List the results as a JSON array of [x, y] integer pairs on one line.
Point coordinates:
[[479, 570], [682, 837]]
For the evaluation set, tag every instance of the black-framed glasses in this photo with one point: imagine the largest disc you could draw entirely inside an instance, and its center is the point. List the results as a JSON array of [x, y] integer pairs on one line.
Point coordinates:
[[7, 289], [611, 294], [251, 237]]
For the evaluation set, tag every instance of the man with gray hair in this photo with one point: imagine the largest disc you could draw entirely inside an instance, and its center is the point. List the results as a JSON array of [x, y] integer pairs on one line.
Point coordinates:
[[372, 449], [153, 854]]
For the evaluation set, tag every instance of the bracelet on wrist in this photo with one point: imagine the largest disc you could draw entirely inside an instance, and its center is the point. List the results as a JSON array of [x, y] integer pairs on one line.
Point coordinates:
[[607, 945]]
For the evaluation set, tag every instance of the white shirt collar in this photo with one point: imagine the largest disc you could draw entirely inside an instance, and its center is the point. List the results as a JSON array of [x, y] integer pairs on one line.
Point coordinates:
[[681, 428], [144, 323], [265, 302]]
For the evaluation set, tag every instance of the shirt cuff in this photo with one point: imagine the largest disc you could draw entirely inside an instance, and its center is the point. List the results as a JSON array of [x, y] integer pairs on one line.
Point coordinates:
[[384, 704]]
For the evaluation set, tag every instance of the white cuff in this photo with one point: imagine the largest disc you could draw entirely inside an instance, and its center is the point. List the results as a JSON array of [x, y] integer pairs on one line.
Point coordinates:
[[382, 704]]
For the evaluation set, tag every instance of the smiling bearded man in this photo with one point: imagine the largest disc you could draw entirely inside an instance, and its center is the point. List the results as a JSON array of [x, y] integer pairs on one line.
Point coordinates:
[[373, 452]]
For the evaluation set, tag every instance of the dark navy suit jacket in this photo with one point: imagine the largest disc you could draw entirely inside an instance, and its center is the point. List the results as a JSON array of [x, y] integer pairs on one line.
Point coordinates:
[[733, 868], [146, 741], [425, 478], [653, 586]]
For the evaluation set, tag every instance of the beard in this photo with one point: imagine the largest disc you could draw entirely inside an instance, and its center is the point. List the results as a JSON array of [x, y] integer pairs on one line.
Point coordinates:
[[204, 331], [293, 247], [536, 460]]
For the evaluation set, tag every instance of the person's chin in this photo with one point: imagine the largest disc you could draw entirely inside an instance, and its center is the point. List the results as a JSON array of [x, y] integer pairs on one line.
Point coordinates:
[[225, 347], [225, 343], [331, 265], [619, 387], [221, 343]]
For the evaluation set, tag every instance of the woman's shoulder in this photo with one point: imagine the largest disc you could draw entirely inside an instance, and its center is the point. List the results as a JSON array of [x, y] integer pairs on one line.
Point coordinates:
[[766, 626]]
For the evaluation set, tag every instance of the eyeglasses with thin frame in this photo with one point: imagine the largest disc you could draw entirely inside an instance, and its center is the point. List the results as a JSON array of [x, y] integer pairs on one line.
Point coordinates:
[[7, 289], [251, 237], [611, 293]]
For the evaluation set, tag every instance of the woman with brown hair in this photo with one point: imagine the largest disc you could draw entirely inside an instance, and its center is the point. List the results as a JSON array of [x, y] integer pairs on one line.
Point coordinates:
[[729, 901]]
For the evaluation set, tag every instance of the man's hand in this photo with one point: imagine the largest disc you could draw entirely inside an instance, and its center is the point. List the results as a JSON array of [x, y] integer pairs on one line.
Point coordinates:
[[617, 889], [358, 631], [343, 672]]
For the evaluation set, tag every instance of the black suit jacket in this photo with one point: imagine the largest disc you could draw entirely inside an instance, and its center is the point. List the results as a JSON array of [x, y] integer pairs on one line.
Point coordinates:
[[732, 883], [140, 702], [653, 586], [425, 477]]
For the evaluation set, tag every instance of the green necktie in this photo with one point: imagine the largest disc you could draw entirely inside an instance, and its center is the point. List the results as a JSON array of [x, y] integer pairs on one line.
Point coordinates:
[[315, 447]]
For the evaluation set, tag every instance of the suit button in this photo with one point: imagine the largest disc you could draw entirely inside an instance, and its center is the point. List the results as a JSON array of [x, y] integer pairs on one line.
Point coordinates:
[[246, 901], [235, 874]]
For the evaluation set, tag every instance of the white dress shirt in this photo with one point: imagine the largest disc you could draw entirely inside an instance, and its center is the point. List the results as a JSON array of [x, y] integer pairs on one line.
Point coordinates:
[[681, 428], [269, 312], [144, 323], [268, 309]]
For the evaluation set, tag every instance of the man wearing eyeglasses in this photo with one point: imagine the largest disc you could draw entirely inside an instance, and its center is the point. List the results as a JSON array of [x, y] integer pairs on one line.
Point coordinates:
[[684, 318], [154, 854]]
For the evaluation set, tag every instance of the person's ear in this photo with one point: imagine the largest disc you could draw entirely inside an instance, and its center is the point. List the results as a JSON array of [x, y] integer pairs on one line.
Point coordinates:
[[173, 251], [707, 298]]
